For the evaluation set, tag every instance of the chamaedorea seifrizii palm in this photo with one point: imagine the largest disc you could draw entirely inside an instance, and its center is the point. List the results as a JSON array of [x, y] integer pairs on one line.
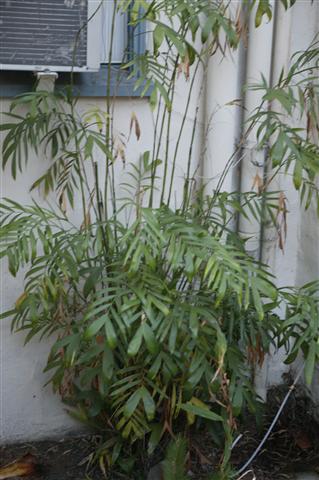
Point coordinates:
[[158, 315]]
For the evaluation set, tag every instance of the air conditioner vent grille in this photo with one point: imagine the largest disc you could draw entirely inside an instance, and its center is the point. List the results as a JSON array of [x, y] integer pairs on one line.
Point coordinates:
[[43, 32]]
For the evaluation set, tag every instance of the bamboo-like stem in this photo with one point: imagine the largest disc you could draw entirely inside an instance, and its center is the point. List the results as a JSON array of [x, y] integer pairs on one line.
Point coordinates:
[[80, 166], [190, 91], [186, 194], [153, 172], [100, 214], [168, 129], [108, 139], [161, 133], [159, 140], [187, 191]]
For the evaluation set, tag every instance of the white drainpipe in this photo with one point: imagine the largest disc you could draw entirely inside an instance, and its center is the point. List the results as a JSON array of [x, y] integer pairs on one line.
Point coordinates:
[[225, 79], [267, 53], [295, 30], [280, 60], [266, 243], [224, 83], [259, 61]]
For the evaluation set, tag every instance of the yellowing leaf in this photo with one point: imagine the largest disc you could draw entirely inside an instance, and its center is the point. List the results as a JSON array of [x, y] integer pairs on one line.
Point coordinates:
[[20, 300]]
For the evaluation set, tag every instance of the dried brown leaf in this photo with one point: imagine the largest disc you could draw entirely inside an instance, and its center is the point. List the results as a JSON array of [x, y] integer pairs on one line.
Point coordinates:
[[281, 218], [303, 441], [184, 67], [22, 467], [86, 221], [62, 202], [258, 183], [135, 123]]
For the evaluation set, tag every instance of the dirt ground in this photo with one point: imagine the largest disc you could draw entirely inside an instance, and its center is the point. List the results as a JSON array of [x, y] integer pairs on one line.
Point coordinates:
[[293, 446], [65, 459]]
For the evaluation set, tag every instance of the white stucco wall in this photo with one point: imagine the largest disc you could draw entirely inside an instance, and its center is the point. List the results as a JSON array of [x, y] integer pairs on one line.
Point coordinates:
[[299, 263], [27, 409]]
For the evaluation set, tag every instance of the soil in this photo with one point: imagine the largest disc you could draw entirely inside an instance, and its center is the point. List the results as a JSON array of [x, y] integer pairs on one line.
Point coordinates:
[[64, 459], [293, 446]]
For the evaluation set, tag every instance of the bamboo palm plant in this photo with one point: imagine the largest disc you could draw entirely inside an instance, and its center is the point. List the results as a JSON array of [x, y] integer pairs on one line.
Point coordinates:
[[157, 313]]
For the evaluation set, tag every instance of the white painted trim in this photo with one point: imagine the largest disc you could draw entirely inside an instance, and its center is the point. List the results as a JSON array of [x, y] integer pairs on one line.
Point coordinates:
[[45, 68], [94, 32]]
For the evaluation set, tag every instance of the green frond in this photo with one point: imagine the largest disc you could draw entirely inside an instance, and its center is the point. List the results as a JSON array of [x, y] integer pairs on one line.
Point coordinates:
[[174, 465]]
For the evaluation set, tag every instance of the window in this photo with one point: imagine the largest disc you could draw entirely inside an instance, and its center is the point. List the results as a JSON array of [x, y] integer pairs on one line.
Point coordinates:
[[37, 35], [121, 38]]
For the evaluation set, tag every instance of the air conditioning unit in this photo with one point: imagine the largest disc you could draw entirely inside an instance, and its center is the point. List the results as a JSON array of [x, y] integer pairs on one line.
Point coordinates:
[[54, 35]]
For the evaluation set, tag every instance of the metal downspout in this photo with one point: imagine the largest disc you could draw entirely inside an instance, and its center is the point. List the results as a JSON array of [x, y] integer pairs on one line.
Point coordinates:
[[259, 60]]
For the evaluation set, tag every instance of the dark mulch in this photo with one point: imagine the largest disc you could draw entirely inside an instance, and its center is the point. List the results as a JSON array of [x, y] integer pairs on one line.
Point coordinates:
[[65, 459], [292, 446]]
